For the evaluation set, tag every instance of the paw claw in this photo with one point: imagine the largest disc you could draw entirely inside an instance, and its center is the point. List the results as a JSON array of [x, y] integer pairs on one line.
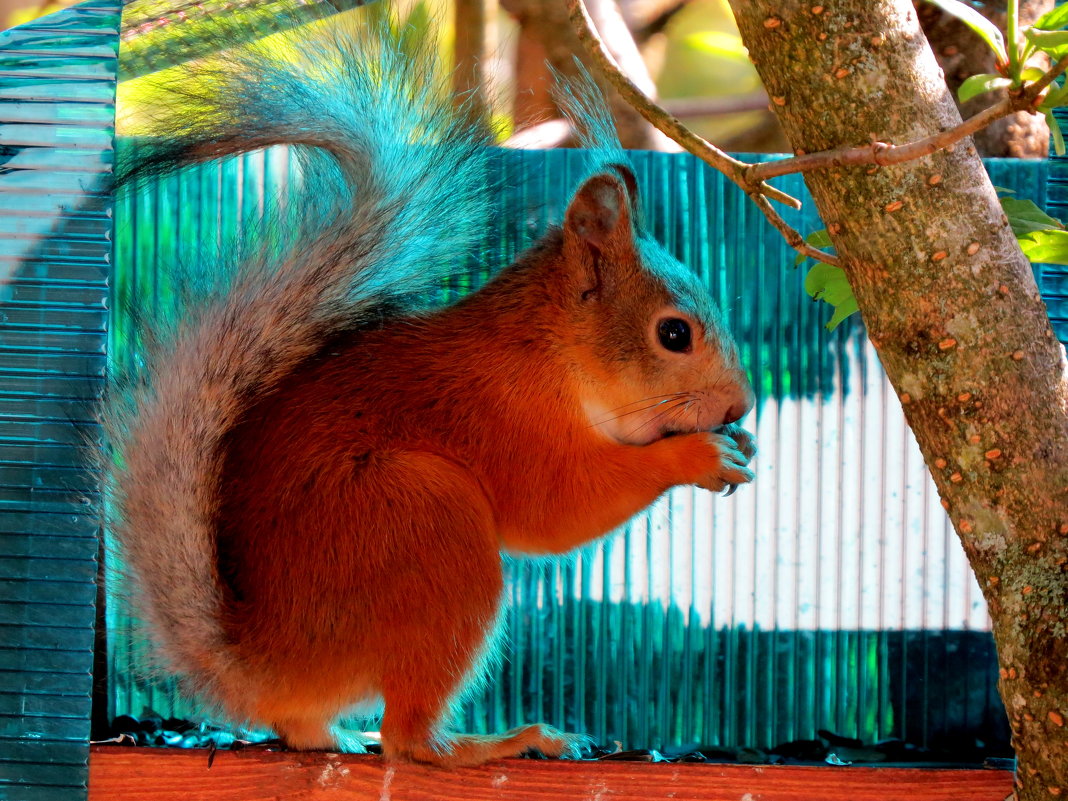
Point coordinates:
[[736, 448]]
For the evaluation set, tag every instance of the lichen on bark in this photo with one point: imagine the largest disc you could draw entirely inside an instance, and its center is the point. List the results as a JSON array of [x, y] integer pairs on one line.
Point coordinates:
[[951, 306]]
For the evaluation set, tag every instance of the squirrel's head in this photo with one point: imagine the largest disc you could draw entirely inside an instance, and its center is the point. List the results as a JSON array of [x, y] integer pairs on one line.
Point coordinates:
[[652, 355]]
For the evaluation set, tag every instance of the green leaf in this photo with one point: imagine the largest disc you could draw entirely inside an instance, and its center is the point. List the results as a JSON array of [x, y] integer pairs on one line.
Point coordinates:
[[1055, 98], [1025, 217], [978, 84], [1053, 42], [1053, 20], [1055, 130], [841, 312], [829, 283], [818, 239], [1045, 247], [978, 23]]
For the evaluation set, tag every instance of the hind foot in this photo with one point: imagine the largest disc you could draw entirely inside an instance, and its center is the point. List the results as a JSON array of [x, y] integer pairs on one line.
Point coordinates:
[[465, 750]]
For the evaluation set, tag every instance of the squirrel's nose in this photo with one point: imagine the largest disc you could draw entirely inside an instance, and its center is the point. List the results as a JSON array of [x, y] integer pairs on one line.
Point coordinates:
[[734, 414], [740, 406]]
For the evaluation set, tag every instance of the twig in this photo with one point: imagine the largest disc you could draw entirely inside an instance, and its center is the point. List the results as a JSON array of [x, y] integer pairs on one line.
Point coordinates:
[[734, 169], [657, 116], [883, 154], [792, 237], [712, 106]]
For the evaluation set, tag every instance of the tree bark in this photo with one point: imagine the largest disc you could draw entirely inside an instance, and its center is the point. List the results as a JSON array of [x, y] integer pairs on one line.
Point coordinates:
[[951, 306], [961, 53]]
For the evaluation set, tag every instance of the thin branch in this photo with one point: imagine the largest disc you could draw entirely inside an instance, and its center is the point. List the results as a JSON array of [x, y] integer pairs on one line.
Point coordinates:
[[792, 237], [658, 117], [1033, 90], [734, 169], [713, 106], [883, 154]]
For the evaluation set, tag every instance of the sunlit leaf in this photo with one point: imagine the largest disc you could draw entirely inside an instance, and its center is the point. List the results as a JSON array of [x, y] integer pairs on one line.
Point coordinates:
[[978, 23], [1056, 97], [978, 84], [1053, 42], [1045, 247], [1053, 20], [1055, 131]]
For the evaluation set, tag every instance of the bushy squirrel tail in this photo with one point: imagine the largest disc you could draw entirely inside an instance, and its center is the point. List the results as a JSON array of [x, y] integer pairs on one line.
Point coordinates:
[[412, 165]]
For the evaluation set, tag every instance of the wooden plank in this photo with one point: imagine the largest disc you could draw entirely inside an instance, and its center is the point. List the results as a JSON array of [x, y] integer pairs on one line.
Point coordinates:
[[134, 774]]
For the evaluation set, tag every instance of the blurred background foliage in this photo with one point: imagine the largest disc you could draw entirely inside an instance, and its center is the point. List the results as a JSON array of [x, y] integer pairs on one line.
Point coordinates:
[[685, 52]]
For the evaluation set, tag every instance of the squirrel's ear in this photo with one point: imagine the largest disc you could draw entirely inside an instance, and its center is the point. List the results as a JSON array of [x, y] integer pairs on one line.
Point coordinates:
[[600, 212], [626, 174]]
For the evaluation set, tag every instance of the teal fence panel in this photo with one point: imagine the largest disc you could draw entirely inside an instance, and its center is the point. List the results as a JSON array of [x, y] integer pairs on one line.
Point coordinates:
[[57, 90], [1053, 278]]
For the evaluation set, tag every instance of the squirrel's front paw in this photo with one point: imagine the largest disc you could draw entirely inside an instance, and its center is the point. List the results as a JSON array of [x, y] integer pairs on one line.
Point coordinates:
[[743, 440], [736, 447]]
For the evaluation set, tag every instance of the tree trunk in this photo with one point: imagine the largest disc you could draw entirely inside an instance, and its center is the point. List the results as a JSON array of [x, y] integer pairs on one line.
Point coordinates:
[[961, 53], [951, 306]]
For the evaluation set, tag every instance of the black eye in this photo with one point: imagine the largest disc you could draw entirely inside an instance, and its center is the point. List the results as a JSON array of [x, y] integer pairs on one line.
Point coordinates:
[[674, 334]]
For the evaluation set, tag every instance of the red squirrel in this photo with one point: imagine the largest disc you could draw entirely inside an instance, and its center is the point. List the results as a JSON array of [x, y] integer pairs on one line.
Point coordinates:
[[314, 486]]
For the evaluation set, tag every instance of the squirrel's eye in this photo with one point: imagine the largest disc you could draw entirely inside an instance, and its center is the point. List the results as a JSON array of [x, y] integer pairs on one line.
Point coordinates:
[[674, 334]]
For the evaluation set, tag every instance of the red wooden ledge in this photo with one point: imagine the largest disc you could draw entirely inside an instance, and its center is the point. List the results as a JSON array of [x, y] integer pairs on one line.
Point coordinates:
[[150, 774]]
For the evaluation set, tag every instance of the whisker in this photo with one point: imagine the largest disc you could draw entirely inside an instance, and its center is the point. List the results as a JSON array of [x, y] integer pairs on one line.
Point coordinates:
[[657, 417], [651, 397], [667, 399], [679, 411]]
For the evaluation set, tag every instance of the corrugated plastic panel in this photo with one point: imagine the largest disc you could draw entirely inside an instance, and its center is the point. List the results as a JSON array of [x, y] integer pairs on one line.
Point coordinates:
[[57, 89], [1053, 278], [831, 593]]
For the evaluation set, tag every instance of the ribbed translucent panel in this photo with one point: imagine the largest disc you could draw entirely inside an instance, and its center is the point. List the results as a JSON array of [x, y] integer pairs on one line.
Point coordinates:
[[57, 89], [1054, 277], [831, 593]]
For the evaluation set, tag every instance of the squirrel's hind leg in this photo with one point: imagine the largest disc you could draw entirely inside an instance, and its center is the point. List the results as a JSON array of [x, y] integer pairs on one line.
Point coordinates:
[[317, 734], [305, 734]]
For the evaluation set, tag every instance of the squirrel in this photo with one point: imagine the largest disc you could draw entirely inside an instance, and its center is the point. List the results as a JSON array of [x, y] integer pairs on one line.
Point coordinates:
[[313, 489]]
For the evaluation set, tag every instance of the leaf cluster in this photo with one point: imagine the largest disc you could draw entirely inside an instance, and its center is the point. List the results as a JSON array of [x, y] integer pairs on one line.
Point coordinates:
[[1049, 35]]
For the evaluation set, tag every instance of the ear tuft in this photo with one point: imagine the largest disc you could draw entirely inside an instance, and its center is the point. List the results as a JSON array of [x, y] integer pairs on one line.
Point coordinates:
[[600, 212]]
